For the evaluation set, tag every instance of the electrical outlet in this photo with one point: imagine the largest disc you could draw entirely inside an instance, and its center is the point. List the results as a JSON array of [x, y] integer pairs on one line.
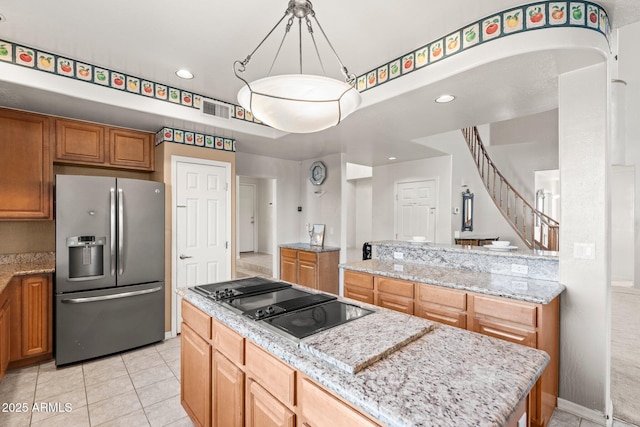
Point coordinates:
[[398, 267], [398, 255], [519, 268]]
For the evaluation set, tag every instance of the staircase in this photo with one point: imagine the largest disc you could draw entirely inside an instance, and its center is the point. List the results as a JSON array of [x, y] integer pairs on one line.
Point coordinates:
[[537, 230]]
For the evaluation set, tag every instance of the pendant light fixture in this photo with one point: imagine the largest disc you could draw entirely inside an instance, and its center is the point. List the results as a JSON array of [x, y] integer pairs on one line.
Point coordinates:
[[298, 103]]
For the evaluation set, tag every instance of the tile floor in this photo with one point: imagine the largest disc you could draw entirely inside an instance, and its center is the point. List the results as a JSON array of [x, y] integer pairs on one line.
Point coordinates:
[[136, 388], [565, 419]]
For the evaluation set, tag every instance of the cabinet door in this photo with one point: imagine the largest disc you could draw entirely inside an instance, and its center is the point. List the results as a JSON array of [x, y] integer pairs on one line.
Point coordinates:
[[195, 376], [357, 293], [80, 142], [394, 302], [442, 305], [228, 393], [264, 410], [36, 316], [308, 274], [288, 265], [131, 149], [5, 332], [25, 166]]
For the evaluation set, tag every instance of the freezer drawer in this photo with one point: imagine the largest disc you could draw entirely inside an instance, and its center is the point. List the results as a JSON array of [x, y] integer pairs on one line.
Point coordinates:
[[96, 323]]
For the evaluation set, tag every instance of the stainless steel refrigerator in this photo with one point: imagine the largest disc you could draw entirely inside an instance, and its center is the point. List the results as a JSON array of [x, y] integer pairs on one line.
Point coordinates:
[[109, 287]]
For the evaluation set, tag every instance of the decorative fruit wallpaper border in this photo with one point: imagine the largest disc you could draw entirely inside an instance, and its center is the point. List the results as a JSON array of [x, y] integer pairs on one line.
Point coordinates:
[[180, 136], [528, 17], [533, 16]]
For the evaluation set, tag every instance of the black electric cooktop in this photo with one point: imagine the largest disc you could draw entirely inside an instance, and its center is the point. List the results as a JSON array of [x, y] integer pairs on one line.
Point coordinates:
[[292, 312]]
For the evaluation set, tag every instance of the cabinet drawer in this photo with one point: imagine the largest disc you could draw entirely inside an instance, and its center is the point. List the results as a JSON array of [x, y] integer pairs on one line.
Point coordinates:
[[288, 253], [394, 302], [394, 286], [512, 311], [441, 296], [505, 332], [307, 256], [442, 314], [321, 409], [271, 373], [199, 321], [228, 342], [362, 280], [358, 293]]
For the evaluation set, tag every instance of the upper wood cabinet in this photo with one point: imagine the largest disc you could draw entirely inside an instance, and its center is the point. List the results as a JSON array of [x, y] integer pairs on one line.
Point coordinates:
[[98, 145], [25, 166]]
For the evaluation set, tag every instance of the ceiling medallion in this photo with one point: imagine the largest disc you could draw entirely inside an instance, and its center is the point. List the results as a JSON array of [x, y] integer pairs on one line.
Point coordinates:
[[298, 103]]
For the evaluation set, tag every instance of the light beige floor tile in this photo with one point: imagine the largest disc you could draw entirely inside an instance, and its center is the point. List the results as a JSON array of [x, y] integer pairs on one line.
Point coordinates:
[[78, 417], [156, 392], [139, 352], [165, 412], [15, 419], [588, 423], [100, 372], [76, 399], [169, 343], [48, 373], [182, 422], [174, 365], [18, 388], [22, 371], [51, 389], [152, 375], [113, 408], [135, 419], [144, 362], [563, 419], [109, 388], [169, 354]]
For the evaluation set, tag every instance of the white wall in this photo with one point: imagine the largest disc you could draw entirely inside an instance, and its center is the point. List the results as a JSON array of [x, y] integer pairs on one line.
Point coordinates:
[[629, 71], [383, 189], [584, 176], [363, 212], [322, 208]]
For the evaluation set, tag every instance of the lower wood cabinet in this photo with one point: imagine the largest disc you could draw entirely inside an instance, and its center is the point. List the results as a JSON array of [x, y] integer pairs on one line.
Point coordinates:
[[316, 270], [5, 332], [521, 322], [195, 376], [228, 381]]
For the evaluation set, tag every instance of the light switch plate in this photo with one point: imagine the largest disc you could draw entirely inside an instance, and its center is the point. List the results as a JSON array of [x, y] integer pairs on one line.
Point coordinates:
[[584, 251], [398, 255]]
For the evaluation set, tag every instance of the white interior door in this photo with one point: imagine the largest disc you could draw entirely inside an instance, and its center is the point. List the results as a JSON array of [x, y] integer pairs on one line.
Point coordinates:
[[416, 210], [247, 217], [202, 225]]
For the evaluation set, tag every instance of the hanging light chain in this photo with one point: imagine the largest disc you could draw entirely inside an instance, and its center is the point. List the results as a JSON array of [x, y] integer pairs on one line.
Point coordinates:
[[315, 45], [350, 78]]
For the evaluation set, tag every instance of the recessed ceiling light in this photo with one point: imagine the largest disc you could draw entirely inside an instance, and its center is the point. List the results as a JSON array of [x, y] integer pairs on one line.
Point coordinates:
[[392, 158], [184, 74], [444, 98]]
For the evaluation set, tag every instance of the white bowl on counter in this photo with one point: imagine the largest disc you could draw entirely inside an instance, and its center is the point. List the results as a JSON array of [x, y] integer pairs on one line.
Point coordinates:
[[500, 243], [418, 239]]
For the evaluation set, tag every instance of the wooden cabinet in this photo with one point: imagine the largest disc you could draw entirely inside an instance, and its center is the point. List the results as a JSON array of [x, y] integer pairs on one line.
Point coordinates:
[[195, 376], [98, 145], [316, 270], [31, 319], [358, 286], [521, 322], [442, 305], [319, 408], [5, 333], [394, 294], [80, 142], [264, 410], [25, 166], [475, 241], [227, 392]]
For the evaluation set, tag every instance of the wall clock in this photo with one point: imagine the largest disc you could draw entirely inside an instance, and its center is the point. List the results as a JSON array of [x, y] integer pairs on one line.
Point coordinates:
[[317, 173]]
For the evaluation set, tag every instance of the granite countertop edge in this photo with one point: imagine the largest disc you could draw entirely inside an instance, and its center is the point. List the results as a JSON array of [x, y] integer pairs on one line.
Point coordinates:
[[518, 253], [23, 264], [380, 390], [463, 280], [308, 247]]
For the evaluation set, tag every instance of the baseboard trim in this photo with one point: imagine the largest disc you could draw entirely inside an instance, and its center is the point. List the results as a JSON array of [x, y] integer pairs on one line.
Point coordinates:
[[582, 412], [169, 334]]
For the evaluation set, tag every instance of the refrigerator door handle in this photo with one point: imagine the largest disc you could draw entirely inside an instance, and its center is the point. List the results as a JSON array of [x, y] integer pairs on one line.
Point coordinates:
[[120, 231], [113, 230], [108, 297]]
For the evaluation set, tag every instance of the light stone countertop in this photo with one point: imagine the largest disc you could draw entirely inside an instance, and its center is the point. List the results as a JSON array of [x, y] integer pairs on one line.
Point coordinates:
[[447, 377], [308, 247], [524, 253], [519, 288], [23, 264]]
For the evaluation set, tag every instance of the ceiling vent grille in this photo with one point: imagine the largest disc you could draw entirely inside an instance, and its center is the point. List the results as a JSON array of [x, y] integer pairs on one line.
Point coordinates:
[[214, 108]]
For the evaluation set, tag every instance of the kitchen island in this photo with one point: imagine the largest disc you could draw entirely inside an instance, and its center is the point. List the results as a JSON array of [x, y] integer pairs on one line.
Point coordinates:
[[513, 295], [444, 377]]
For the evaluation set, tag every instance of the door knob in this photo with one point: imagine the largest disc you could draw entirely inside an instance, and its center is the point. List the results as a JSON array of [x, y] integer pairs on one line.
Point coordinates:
[[183, 256]]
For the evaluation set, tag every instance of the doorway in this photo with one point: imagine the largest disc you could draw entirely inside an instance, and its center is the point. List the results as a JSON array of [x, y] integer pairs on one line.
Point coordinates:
[[256, 220], [416, 206], [201, 225]]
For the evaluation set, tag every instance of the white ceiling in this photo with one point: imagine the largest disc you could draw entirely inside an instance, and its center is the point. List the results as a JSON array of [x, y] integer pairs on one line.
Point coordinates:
[[152, 39]]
